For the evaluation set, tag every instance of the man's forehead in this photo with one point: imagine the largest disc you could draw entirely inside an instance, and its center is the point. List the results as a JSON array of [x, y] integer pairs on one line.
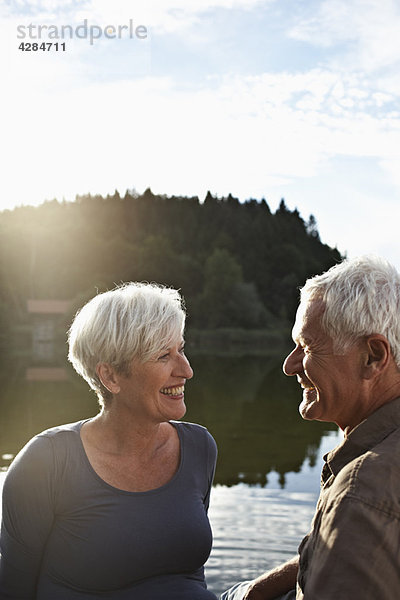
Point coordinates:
[[308, 316]]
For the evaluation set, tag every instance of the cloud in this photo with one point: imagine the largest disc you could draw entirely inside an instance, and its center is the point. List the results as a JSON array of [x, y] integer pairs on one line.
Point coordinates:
[[243, 134], [163, 15], [368, 29], [239, 134]]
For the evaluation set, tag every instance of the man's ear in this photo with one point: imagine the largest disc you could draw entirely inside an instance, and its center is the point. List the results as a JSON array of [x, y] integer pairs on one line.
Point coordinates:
[[377, 356], [108, 377]]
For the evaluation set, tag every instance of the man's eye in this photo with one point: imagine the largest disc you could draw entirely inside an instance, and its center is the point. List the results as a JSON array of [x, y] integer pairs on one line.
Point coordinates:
[[163, 356]]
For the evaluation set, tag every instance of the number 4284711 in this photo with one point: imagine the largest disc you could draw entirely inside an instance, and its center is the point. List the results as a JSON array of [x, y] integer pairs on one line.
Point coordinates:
[[44, 46]]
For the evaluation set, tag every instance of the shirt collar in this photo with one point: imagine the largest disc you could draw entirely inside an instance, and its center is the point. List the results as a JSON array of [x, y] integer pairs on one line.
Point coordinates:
[[362, 438]]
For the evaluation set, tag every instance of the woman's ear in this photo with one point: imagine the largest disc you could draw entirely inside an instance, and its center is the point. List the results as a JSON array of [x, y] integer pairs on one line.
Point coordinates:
[[108, 377], [377, 355]]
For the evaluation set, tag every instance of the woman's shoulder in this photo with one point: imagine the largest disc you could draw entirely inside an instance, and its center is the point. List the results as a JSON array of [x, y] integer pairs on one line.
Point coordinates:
[[197, 433], [38, 452], [60, 430], [54, 435], [192, 428]]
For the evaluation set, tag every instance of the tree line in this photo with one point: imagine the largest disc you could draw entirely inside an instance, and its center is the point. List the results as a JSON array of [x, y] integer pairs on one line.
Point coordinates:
[[237, 264]]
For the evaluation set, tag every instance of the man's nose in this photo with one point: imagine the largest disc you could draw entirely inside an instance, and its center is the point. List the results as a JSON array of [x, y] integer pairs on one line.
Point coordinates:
[[293, 362]]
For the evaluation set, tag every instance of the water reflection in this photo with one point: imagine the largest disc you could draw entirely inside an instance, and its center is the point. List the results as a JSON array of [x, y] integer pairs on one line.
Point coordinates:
[[249, 406], [33, 398]]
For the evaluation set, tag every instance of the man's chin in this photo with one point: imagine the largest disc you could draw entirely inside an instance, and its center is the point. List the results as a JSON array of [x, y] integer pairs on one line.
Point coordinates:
[[309, 409]]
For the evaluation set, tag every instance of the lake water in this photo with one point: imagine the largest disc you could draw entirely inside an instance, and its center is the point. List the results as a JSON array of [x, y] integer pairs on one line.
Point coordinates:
[[267, 479]]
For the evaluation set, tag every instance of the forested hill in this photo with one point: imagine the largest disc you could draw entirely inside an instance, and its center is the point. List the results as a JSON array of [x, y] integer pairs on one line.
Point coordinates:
[[237, 264]]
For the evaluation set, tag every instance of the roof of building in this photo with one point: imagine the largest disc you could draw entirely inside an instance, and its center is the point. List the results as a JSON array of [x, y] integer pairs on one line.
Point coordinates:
[[48, 307]]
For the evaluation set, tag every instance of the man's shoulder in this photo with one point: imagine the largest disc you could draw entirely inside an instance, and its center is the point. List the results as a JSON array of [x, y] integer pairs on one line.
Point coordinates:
[[373, 477], [380, 460]]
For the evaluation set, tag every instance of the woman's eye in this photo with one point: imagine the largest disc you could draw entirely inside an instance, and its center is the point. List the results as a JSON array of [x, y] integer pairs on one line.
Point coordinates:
[[163, 357]]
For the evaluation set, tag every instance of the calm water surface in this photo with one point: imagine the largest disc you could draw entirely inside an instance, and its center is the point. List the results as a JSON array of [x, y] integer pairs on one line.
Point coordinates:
[[267, 479]]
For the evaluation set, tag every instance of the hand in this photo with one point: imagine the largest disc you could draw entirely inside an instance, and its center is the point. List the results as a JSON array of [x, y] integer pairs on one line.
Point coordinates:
[[253, 594], [274, 583]]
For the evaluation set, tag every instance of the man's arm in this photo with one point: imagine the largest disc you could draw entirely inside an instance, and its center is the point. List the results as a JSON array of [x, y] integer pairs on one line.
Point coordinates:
[[274, 583]]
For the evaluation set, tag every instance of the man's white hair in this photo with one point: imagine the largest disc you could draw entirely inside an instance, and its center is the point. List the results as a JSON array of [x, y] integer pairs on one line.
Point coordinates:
[[134, 320], [361, 297]]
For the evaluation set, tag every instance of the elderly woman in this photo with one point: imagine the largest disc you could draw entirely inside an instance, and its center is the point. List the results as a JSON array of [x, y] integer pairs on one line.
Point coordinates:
[[115, 507]]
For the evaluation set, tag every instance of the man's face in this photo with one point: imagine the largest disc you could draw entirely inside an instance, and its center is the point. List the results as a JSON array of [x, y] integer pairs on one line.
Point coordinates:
[[332, 383]]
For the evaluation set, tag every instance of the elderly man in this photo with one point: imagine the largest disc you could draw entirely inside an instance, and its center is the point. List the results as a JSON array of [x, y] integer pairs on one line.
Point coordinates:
[[347, 361]]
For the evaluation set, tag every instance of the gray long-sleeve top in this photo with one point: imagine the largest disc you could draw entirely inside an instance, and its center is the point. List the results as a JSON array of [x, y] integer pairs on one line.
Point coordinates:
[[67, 534]]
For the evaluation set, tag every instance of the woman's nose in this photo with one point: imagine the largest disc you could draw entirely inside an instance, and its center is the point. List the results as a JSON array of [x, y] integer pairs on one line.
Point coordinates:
[[293, 362], [185, 370]]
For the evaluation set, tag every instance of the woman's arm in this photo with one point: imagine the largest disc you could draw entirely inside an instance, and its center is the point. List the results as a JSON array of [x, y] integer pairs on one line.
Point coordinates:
[[27, 518], [212, 453]]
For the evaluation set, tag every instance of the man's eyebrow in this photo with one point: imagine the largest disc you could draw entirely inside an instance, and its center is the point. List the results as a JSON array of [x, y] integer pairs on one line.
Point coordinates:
[[301, 339]]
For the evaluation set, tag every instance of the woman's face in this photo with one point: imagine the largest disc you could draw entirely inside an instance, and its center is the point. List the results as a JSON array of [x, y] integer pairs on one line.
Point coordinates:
[[154, 390]]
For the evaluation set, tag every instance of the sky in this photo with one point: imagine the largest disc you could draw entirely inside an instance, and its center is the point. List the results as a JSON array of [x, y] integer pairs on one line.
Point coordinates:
[[293, 99]]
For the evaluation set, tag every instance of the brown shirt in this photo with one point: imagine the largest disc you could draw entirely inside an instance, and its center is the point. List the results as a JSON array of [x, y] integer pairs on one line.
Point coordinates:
[[353, 549]]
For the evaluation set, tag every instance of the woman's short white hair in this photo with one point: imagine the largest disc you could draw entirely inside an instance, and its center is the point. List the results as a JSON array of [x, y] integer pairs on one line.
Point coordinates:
[[361, 297], [134, 320]]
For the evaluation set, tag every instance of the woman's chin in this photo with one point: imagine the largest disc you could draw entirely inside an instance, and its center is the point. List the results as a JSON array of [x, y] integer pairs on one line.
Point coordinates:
[[178, 411]]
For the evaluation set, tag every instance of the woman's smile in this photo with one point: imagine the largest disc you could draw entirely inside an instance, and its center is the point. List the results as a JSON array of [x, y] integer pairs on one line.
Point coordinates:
[[176, 391]]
